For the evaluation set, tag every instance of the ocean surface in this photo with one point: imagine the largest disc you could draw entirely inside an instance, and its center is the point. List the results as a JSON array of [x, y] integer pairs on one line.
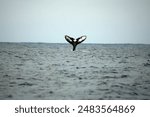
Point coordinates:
[[92, 72]]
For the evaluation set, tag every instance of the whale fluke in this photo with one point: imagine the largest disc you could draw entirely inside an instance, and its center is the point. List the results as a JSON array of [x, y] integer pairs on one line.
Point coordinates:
[[75, 42]]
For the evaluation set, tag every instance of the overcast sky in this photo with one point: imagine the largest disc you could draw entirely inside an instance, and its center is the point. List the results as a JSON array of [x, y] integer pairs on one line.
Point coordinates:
[[103, 21]]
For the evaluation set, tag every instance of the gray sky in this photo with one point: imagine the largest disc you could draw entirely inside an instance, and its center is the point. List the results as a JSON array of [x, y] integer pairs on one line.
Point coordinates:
[[103, 21]]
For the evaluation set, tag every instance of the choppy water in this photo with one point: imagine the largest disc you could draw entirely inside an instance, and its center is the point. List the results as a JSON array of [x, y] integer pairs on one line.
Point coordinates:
[[94, 71]]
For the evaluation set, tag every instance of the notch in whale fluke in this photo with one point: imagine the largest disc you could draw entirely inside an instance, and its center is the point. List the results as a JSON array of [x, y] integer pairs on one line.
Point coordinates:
[[75, 42]]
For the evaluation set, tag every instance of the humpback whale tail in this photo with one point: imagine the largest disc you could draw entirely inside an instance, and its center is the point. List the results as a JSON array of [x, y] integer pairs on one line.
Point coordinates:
[[75, 42]]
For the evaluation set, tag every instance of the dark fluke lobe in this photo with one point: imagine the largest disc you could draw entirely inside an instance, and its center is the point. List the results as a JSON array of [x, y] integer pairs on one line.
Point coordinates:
[[75, 42]]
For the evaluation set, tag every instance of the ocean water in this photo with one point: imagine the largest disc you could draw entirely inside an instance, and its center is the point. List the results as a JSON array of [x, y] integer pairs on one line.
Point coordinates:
[[93, 71]]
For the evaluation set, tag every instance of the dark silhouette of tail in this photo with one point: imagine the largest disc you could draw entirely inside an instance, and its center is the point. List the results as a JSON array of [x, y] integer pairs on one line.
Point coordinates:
[[75, 42]]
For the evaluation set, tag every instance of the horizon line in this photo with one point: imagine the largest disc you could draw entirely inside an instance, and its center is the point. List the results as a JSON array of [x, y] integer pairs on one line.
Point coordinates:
[[67, 43]]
